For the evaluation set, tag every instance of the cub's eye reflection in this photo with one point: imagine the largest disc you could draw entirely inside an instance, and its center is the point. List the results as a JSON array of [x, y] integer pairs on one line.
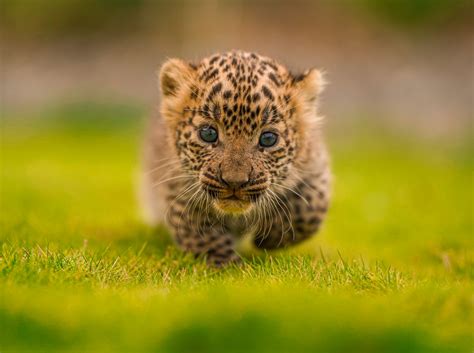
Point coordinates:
[[208, 134], [268, 139]]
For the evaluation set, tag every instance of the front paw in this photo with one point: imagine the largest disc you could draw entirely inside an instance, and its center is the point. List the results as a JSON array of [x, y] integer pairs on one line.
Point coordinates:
[[269, 243], [217, 258]]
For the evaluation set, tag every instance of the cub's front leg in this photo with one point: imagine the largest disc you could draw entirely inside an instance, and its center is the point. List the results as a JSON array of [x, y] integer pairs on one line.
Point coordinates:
[[200, 234], [297, 213]]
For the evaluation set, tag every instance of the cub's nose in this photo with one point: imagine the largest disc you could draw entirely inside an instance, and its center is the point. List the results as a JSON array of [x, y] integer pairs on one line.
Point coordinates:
[[234, 180]]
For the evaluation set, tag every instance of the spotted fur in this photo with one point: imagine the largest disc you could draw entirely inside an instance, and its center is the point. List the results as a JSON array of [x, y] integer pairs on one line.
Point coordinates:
[[211, 193]]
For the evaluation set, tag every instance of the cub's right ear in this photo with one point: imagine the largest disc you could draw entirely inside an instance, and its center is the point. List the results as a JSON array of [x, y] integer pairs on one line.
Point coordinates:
[[175, 74]]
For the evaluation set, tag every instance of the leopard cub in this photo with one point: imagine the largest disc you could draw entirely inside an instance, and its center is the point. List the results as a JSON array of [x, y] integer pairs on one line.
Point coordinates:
[[237, 149]]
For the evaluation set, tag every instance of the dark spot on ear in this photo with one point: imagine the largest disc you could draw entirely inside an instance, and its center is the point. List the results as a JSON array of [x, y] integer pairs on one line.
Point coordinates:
[[298, 77], [169, 85]]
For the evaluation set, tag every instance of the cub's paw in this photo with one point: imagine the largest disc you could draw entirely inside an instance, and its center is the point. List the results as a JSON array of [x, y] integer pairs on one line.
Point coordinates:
[[269, 243], [222, 259]]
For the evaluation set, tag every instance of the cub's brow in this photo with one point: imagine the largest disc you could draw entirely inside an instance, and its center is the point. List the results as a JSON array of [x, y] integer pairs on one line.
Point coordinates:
[[205, 113]]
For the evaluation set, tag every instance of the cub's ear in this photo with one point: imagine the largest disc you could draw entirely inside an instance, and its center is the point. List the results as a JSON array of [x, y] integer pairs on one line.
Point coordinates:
[[175, 74], [310, 84]]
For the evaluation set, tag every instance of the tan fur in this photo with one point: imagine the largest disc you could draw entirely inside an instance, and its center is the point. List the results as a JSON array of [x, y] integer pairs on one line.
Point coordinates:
[[210, 193]]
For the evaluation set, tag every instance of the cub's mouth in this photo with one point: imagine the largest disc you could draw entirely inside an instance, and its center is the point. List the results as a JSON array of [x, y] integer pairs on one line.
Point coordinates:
[[232, 201], [233, 205]]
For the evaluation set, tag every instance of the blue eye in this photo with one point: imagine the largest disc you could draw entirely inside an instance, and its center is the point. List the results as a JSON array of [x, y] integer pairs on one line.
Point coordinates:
[[268, 139], [208, 134]]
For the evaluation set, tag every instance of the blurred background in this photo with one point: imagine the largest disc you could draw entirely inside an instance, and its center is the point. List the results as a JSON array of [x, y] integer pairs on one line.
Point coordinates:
[[407, 63]]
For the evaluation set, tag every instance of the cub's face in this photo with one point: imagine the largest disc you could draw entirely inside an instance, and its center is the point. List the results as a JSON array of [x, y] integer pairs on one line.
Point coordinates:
[[239, 122]]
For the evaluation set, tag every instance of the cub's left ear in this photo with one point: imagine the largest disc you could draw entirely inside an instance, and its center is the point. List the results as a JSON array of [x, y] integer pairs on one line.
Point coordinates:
[[310, 84], [175, 75]]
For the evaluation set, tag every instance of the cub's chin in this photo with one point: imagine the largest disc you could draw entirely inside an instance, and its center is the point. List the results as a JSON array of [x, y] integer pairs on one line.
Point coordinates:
[[233, 206]]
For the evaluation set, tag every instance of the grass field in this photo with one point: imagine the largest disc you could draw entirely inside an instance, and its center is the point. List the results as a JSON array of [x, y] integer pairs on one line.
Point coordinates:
[[392, 270]]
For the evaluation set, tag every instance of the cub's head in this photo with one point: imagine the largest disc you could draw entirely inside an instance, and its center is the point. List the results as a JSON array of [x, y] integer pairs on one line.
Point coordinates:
[[240, 123]]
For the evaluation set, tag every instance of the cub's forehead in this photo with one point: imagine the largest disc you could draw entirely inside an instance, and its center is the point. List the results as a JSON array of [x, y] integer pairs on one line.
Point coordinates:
[[242, 90], [241, 70]]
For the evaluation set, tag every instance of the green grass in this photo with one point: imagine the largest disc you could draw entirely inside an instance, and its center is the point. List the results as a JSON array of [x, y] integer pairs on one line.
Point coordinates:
[[392, 270]]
